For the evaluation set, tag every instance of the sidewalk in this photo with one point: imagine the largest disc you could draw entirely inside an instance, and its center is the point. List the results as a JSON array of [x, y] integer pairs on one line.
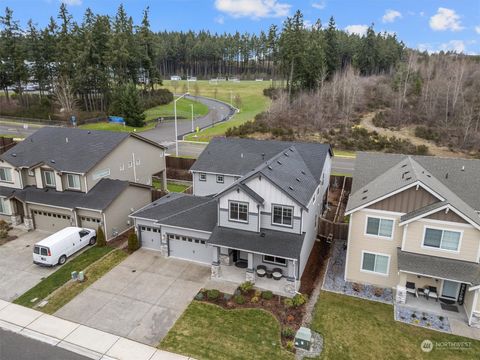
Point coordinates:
[[83, 340]]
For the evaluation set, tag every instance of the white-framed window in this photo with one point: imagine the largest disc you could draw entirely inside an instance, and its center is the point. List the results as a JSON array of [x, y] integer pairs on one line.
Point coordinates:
[[380, 227], [282, 215], [130, 164], [137, 162], [122, 167], [238, 211], [31, 172], [5, 174], [4, 206], [375, 263], [202, 177], [49, 178], [73, 181], [220, 179], [275, 260], [442, 239]]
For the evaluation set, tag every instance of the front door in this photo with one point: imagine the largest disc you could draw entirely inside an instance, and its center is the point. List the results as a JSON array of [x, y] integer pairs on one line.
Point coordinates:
[[450, 289]]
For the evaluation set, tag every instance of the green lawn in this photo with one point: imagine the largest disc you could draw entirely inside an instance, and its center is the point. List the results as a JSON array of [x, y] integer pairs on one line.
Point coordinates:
[[61, 276], [183, 110], [116, 127], [345, 153], [176, 187], [206, 331], [353, 328], [251, 95]]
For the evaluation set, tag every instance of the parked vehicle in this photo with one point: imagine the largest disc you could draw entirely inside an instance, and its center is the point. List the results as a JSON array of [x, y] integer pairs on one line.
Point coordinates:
[[56, 248]]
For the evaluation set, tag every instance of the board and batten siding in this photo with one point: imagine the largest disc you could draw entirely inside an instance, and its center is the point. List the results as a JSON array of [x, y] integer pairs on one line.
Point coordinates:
[[210, 186], [240, 196], [406, 201]]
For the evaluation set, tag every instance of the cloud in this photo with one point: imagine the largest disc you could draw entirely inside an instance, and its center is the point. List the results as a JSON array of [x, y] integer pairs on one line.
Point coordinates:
[[253, 8], [357, 29], [445, 19], [477, 29], [219, 20], [320, 5], [458, 46], [72, 2], [391, 15]]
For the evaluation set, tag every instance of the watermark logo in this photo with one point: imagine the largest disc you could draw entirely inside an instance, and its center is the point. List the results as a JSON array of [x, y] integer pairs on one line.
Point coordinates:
[[428, 345]]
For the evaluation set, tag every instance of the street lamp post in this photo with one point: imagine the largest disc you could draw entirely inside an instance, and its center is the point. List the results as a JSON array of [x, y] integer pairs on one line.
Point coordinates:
[[191, 105], [176, 125]]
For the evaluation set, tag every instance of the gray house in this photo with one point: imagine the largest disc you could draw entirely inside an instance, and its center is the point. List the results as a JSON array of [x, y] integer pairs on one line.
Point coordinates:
[[62, 177], [253, 213]]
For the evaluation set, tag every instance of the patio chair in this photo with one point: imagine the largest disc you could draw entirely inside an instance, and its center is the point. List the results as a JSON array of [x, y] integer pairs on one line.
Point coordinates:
[[432, 292], [277, 273], [261, 270], [411, 289]]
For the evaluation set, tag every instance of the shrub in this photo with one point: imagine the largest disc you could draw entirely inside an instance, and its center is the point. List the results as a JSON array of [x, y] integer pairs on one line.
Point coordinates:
[[101, 241], [299, 300], [267, 295], [288, 302], [290, 345], [254, 299], [239, 299], [258, 293], [378, 291], [426, 133], [3, 234], [290, 318], [227, 297], [133, 243], [357, 287], [288, 332], [213, 294], [246, 286]]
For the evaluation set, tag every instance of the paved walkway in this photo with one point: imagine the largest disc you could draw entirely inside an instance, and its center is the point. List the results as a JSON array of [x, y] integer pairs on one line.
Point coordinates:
[[83, 340]]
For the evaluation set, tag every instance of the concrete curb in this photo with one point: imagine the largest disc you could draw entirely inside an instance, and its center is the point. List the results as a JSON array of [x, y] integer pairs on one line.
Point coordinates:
[[80, 339]]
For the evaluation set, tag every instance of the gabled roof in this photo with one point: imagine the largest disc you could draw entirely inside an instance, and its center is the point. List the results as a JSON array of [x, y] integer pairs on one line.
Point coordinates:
[[423, 210], [66, 149], [404, 172]]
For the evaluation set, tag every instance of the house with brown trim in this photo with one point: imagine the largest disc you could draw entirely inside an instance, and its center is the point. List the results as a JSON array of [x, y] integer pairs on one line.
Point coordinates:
[[415, 227]]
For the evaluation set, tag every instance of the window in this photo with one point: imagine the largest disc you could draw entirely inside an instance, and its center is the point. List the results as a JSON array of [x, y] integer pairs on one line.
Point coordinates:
[[44, 251], [4, 206], [137, 162], [282, 215], [220, 179], [238, 211], [83, 233], [203, 177], [442, 239], [122, 167], [73, 181], [36, 250], [101, 174], [375, 263], [49, 178], [31, 173], [379, 227], [275, 260], [6, 174]]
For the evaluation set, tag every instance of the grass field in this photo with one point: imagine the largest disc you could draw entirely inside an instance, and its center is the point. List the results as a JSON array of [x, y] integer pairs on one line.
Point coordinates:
[[208, 332], [353, 328], [61, 276], [176, 187], [251, 96], [345, 153]]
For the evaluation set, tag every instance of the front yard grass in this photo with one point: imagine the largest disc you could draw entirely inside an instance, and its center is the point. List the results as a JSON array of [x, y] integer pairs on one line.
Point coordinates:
[[94, 272], [61, 276], [207, 331], [360, 329]]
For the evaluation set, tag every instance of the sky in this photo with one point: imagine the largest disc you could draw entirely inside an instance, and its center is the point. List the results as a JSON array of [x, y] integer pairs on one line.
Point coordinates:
[[430, 25]]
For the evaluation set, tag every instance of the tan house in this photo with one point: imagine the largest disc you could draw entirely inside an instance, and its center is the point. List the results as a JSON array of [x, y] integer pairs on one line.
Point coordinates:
[[415, 227], [61, 177]]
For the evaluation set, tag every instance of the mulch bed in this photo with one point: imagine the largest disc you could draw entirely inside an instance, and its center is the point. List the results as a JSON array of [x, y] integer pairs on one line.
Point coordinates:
[[315, 267], [121, 241], [7, 239]]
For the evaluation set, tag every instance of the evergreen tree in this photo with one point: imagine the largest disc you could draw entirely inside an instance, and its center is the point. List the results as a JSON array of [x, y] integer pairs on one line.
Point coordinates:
[[331, 48]]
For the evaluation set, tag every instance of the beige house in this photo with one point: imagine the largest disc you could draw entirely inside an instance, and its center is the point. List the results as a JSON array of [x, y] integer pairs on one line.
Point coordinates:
[[415, 227], [62, 177]]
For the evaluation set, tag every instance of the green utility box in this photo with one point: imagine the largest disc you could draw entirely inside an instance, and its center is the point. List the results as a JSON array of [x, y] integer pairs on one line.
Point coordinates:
[[303, 338]]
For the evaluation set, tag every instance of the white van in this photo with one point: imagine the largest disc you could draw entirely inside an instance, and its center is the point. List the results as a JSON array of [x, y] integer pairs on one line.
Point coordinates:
[[56, 248]]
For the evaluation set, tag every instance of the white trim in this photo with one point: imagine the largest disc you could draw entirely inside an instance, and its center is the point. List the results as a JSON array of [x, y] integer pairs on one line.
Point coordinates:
[[442, 222], [348, 246], [250, 251], [105, 226], [404, 238], [391, 213], [178, 227], [379, 236], [86, 184], [425, 227], [472, 288], [94, 210], [53, 206], [214, 173], [375, 272], [386, 196], [431, 276], [230, 202], [474, 306]]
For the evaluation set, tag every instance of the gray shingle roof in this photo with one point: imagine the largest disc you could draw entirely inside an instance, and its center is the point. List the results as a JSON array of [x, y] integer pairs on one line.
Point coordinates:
[[439, 267], [98, 198], [182, 210], [422, 210], [270, 242], [65, 149]]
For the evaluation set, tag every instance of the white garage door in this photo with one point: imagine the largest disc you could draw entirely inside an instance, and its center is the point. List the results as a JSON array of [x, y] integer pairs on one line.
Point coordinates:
[[150, 237], [188, 248], [50, 221], [89, 222]]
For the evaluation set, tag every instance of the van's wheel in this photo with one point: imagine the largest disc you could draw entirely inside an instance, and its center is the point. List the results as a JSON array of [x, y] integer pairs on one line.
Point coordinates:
[[93, 240], [62, 260]]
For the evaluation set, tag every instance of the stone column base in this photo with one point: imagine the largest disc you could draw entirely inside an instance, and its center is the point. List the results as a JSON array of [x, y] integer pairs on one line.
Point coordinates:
[[216, 274], [250, 276], [28, 223], [16, 220], [164, 250], [225, 260], [401, 295], [475, 322]]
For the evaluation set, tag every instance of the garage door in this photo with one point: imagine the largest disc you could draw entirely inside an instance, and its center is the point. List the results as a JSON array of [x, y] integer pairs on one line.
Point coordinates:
[[188, 248], [50, 221], [89, 222], [150, 237]]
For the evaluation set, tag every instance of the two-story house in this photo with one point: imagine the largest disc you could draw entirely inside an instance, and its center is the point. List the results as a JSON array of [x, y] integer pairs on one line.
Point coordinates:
[[253, 213], [61, 177], [415, 227]]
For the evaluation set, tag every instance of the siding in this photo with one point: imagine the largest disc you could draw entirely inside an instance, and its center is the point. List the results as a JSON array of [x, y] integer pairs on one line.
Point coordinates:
[[406, 201], [468, 302], [223, 204], [16, 177], [252, 224], [449, 216], [210, 186]]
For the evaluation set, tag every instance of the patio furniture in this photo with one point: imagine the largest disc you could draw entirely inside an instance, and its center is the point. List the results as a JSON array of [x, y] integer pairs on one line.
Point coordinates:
[[432, 292], [261, 270], [269, 274], [424, 292], [411, 289], [242, 264], [277, 274]]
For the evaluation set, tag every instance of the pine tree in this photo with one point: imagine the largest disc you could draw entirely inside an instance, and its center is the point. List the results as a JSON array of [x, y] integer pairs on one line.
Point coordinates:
[[331, 48]]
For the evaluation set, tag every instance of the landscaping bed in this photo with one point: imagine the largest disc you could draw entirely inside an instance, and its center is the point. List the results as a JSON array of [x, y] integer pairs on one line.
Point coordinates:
[[315, 267], [423, 319]]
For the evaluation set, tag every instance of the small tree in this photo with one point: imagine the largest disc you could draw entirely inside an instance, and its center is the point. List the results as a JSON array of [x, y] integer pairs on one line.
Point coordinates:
[[133, 243], [101, 242], [132, 106]]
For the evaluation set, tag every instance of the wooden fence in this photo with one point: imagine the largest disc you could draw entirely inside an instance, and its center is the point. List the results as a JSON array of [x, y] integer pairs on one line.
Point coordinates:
[[6, 144], [179, 163]]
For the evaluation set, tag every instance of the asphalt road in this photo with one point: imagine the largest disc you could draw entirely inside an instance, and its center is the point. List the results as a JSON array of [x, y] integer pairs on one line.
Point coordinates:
[[16, 129], [18, 347]]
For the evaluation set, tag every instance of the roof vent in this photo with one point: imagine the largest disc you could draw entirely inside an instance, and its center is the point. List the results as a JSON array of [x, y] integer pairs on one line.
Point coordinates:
[[291, 188], [14, 155], [404, 165], [364, 198], [298, 179], [286, 154], [262, 234], [279, 162], [291, 149], [52, 161], [269, 167], [263, 156], [364, 191], [463, 167], [446, 175], [89, 132], [408, 178], [303, 172], [66, 140], [241, 155]]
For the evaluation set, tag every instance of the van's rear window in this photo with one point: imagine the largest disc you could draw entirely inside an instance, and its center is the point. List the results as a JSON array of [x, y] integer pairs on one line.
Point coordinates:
[[36, 250], [43, 251]]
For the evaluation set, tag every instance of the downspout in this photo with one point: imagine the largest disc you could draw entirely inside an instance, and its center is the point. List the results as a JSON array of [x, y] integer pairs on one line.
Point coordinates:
[[134, 168]]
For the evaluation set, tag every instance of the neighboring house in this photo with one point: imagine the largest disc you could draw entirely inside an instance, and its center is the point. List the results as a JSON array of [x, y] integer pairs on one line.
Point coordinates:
[[264, 201], [414, 223], [61, 177]]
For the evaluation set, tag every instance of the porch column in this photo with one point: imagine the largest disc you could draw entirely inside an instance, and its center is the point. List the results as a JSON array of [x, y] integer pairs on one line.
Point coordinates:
[[215, 270], [15, 217], [250, 273], [401, 290], [27, 217]]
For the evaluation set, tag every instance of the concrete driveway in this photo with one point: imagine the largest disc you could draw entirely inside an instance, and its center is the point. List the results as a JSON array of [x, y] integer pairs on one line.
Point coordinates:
[[139, 299], [17, 271]]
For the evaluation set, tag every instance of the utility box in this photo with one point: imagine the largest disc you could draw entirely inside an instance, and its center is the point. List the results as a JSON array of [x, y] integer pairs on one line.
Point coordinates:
[[81, 276], [303, 338], [74, 275]]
